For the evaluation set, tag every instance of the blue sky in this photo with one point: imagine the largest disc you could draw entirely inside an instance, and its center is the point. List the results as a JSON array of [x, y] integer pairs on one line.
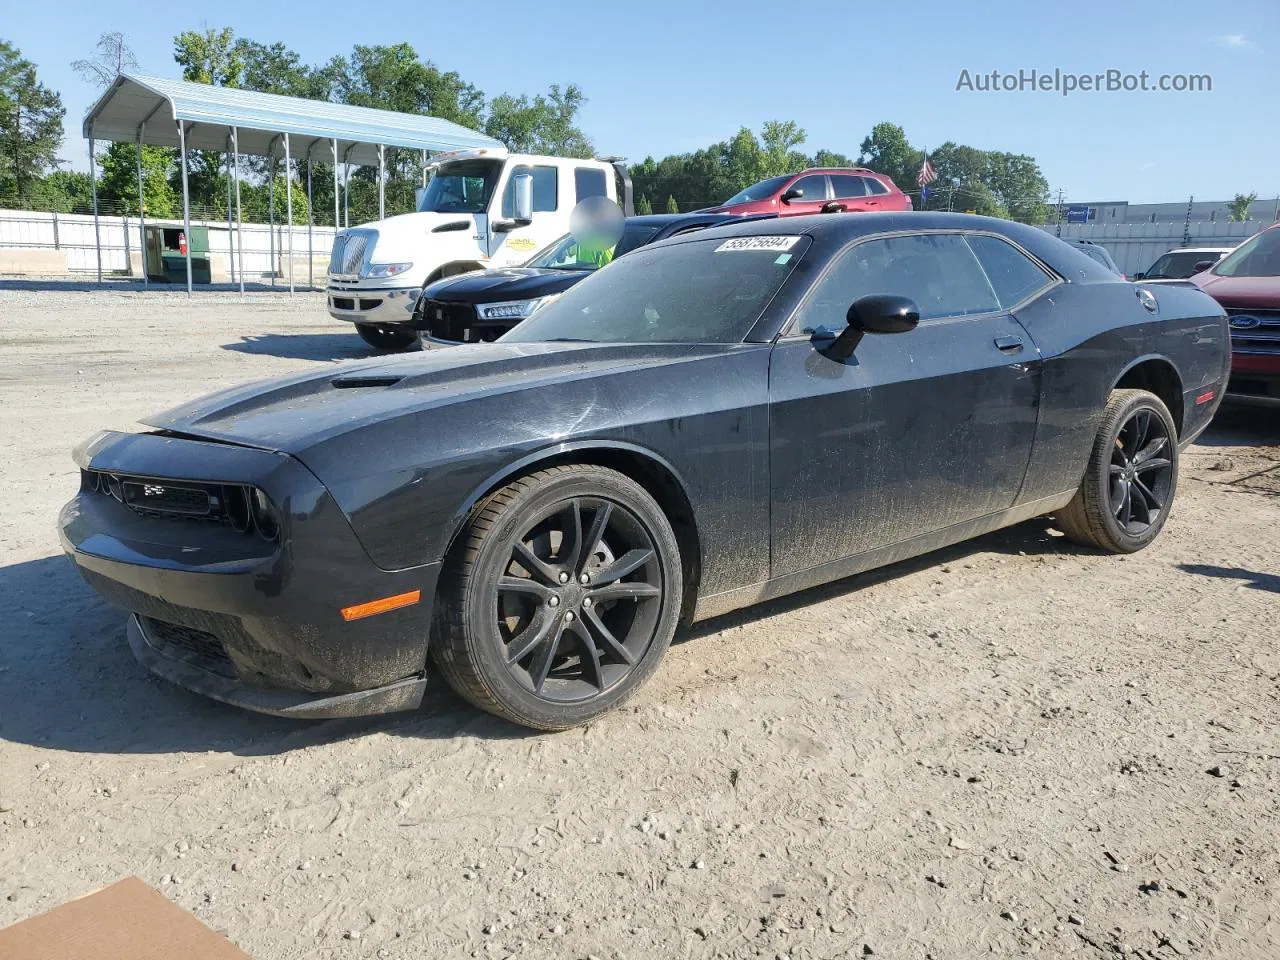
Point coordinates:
[[666, 77]]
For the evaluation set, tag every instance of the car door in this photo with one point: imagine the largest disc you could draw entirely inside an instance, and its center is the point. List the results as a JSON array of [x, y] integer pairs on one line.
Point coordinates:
[[517, 245], [850, 192], [915, 432], [813, 196]]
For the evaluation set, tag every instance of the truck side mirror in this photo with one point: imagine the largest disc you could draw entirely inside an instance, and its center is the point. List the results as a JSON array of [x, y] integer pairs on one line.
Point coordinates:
[[522, 186]]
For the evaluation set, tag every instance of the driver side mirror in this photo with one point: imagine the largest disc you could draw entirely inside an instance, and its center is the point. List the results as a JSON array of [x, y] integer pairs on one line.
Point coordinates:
[[522, 186], [877, 313], [1202, 266], [791, 193], [1138, 276]]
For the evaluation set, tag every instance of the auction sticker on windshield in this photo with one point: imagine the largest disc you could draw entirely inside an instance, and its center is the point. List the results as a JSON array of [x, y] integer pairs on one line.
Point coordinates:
[[758, 243]]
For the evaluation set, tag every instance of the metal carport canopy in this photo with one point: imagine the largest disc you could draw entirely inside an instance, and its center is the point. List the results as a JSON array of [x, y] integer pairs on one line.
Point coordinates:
[[210, 113]]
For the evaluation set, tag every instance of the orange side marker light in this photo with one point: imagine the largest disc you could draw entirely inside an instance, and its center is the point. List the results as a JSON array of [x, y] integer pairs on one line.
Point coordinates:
[[361, 610]]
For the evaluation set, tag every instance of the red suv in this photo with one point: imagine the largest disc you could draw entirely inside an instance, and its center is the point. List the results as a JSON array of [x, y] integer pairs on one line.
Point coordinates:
[[819, 190], [1247, 284]]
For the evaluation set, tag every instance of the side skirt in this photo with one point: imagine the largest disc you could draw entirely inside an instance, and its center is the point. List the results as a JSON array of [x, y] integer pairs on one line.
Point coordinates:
[[721, 603]]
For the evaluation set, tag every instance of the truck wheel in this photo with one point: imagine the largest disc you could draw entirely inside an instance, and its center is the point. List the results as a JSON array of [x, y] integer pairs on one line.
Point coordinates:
[[383, 336], [560, 598], [1129, 484]]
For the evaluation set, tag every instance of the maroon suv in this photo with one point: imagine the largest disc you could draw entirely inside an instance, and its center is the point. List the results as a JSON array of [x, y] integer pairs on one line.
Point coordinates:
[[1247, 284], [819, 190]]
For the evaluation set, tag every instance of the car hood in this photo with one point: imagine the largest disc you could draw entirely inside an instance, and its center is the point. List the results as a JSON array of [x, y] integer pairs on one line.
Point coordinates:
[[293, 414], [1241, 292], [513, 283]]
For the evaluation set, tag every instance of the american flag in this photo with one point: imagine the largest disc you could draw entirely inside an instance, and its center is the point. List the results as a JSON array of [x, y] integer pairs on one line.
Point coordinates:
[[927, 174]]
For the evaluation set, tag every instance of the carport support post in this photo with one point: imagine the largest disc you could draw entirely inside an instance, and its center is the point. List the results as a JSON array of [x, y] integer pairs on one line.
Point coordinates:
[[186, 198], [288, 204], [271, 213], [231, 252], [382, 182], [93, 185], [235, 153], [424, 169], [311, 254], [142, 213], [337, 222]]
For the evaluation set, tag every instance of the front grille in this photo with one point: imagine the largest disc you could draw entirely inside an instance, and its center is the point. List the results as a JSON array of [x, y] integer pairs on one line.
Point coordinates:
[[1255, 332], [370, 304], [348, 253], [458, 322], [189, 645], [234, 505], [343, 303]]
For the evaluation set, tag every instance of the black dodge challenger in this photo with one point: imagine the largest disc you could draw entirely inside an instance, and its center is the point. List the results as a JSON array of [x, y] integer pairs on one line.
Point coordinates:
[[714, 420]]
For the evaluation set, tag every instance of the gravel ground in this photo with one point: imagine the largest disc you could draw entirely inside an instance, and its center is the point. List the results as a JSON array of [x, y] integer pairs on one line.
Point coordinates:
[[1010, 747]]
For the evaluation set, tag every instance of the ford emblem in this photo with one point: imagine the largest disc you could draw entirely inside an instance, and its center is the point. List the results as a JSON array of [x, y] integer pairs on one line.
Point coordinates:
[[1244, 322]]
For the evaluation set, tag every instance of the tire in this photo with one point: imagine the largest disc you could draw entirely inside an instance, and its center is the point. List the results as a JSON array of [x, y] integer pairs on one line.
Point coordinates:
[[507, 581], [1126, 461], [384, 336]]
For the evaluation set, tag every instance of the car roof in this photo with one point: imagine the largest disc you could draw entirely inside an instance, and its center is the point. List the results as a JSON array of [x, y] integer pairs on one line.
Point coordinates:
[[838, 229], [1196, 250]]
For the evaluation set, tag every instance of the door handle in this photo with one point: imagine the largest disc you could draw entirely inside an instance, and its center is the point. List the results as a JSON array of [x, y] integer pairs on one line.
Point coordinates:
[[1009, 344]]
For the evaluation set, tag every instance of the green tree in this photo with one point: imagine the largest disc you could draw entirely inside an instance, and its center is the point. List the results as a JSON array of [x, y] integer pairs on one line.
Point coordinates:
[[887, 150], [67, 191], [644, 208], [119, 179], [672, 206], [210, 57], [778, 140], [828, 158], [30, 124], [541, 125], [1238, 206]]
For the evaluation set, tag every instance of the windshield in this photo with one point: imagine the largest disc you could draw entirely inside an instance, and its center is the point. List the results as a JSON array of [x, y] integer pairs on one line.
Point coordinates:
[[1097, 253], [464, 186], [1178, 266], [567, 254], [758, 191], [1259, 256], [702, 291]]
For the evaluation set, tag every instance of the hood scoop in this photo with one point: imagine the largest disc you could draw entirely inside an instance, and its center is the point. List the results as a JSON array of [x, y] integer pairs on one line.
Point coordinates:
[[359, 383]]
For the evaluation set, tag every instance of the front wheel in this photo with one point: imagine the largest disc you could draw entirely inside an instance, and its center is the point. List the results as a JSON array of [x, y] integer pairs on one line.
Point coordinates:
[[560, 598], [1129, 484], [385, 336]]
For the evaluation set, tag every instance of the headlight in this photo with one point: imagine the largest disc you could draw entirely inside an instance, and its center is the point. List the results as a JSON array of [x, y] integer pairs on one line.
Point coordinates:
[[383, 270], [514, 309]]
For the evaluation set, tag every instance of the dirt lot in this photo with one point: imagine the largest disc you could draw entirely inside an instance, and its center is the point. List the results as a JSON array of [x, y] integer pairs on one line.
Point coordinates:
[[1006, 748]]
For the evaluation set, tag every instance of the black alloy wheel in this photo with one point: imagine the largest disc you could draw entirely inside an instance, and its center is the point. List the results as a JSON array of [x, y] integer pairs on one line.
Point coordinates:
[[560, 599], [1141, 472], [1131, 477], [577, 606]]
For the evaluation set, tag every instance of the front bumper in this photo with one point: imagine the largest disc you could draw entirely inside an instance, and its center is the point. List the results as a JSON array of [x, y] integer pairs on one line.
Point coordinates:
[[235, 616], [373, 305]]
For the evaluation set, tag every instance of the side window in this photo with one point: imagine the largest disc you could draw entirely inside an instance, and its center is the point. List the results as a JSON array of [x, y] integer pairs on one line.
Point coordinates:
[[814, 187], [846, 185], [938, 271], [875, 187], [589, 182], [545, 186], [1014, 277]]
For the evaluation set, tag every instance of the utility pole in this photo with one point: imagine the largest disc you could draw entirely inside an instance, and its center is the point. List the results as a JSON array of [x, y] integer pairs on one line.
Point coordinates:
[[1059, 227], [1186, 224]]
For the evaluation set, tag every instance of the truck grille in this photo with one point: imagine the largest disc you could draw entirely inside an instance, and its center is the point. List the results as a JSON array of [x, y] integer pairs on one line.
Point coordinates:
[[348, 253], [1255, 332]]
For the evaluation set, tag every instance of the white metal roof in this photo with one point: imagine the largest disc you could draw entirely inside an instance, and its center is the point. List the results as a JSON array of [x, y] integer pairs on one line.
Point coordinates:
[[210, 113]]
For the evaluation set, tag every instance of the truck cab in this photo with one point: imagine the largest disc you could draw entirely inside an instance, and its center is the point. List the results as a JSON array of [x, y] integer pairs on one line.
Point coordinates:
[[480, 209]]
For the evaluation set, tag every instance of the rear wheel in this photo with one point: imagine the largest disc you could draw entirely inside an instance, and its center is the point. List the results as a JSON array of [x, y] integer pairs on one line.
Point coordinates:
[[383, 336], [560, 598], [1129, 484]]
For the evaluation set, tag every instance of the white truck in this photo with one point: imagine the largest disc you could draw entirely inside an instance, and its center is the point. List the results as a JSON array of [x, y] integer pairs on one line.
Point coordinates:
[[481, 209]]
